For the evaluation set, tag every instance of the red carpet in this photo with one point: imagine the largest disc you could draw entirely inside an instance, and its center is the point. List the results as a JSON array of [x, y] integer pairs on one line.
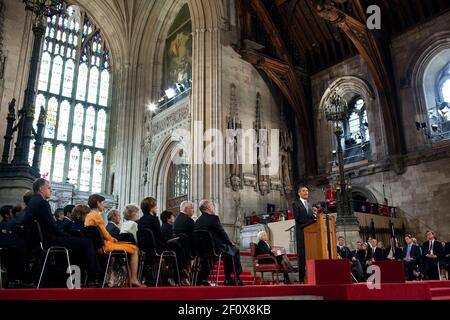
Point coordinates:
[[425, 290]]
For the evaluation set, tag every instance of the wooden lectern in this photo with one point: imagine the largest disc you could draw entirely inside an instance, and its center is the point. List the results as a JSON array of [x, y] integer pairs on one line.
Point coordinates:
[[316, 241]]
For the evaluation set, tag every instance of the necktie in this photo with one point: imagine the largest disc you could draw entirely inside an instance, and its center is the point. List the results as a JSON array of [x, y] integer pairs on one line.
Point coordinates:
[[408, 252], [431, 246]]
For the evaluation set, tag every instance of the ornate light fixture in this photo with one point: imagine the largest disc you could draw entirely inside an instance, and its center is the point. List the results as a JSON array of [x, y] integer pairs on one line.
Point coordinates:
[[336, 111], [47, 8]]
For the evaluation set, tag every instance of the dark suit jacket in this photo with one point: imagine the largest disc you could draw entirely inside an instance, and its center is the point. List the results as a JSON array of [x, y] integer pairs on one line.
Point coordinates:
[[66, 225], [438, 249], [301, 214], [167, 231], [414, 254], [149, 221], [379, 254], [263, 248], [39, 209], [183, 224], [345, 252], [113, 230], [397, 253], [211, 223], [363, 256]]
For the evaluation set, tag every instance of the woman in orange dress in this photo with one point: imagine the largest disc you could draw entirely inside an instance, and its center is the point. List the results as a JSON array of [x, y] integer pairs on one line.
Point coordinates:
[[94, 218]]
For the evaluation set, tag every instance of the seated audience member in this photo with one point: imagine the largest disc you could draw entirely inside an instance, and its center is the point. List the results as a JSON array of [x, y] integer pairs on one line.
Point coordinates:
[[7, 218], [78, 216], [94, 218], [358, 247], [393, 252], [376, 251], [150, 221], [254, 219], [184, 225], [432, 253], [59, 216], [113, 226], [167, 219], [447, 256], [16, 250], [364, 256], [39, 209], [130, 226], [209, 221], [277, 216], [345, 253], [264, 247], [411, 258], [66, 223]]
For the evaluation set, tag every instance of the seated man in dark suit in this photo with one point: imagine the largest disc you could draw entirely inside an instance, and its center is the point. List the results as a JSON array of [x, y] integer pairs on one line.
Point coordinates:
[[15, 247], [345, 253], [411, 258], [184, 224], [150, 221], [39, 209], [433, 252], [183, 227], [208, 221], [66, 224], [113, 223], [393, 252]]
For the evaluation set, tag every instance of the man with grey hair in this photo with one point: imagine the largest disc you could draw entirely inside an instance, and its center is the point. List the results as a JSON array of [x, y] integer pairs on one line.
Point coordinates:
[[183, 222], [209, 221], [113, 223]]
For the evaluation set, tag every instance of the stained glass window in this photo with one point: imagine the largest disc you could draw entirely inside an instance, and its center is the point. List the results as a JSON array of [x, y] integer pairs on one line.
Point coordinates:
[[52, 111], [45, 71], [74, 165], [58, 168], [63, 123], [85, 177], [89, 127], [98, 172], [356, 140], [55, 84], [439, 113], [74, 88], [46, 159], [101, 129], [68, 78]]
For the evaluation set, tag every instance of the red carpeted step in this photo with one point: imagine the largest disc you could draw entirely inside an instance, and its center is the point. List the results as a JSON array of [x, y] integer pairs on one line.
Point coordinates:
[[439, 284], [440, 292], [441, 298]]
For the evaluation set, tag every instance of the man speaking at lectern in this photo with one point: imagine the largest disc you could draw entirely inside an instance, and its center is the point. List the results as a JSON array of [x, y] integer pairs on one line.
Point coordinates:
[[304, 213]]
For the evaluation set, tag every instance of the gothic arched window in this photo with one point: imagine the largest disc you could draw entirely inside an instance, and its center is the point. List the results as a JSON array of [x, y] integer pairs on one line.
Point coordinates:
[[74, 88], [356, 139], [439, 115], [177, 186]]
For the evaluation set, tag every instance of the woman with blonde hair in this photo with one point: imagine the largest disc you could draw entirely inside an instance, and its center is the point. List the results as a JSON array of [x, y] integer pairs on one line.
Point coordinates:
[[94, 218], [130, 226]]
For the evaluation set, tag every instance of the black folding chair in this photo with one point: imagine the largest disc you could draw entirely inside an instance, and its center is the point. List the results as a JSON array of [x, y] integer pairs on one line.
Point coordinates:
[[147, 245], [94, 234], [203, 247], [51, 250]]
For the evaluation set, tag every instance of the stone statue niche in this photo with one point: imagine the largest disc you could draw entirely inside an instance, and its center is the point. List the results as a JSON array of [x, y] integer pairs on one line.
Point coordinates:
[[234, 172], [262, 142]]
